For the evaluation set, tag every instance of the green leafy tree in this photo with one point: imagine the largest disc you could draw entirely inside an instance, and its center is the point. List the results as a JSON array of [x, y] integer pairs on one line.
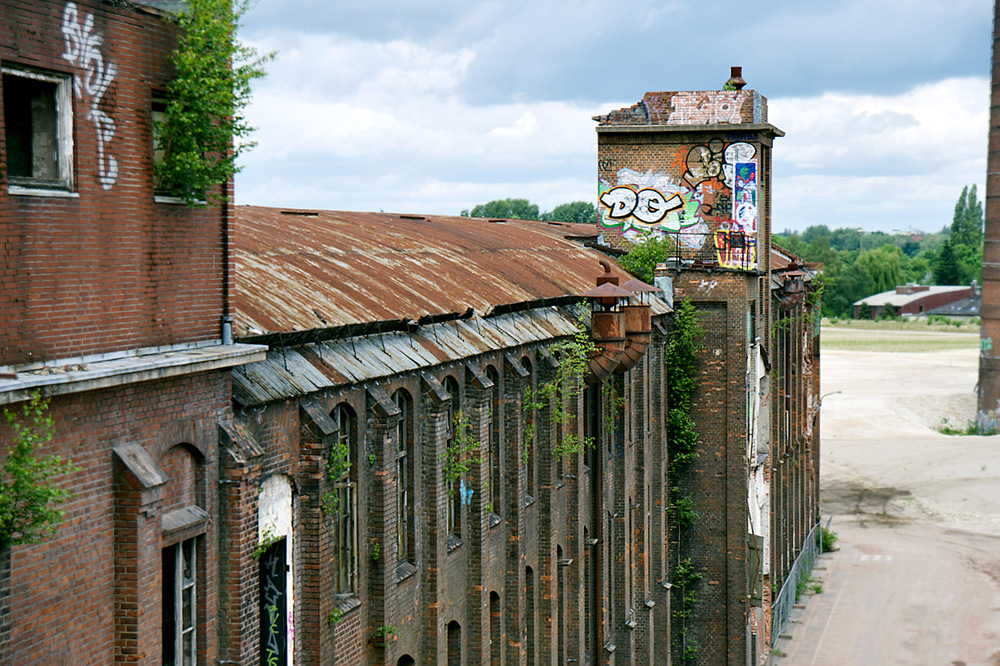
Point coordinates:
[[882, 267], [204, 130], [29, 496], [514, 209], [641, 260], [967, 222], [581, 212], [946, 268]]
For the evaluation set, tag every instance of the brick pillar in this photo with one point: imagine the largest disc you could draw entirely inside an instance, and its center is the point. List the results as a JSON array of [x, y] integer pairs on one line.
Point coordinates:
[[517, 380]]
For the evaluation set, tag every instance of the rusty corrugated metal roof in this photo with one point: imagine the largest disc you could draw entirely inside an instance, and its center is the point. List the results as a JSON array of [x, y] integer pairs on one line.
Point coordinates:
[[301, 370], [300, 270]]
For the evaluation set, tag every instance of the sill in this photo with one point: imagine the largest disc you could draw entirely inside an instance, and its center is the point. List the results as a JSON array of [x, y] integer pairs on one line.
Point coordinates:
[[167, 199], [404, 570], [528, 500], [21, 190], [453, 542], [345, 603], [493, 520]]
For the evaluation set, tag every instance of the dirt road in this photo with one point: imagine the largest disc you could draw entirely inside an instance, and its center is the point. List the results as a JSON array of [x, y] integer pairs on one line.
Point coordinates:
[[917, 576]]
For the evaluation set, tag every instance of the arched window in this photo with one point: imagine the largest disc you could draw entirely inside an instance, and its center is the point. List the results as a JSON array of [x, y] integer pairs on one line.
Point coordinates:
[[405, 545], [454, 644], [342, 501], [528, 452], [496, 649], [529, 612], [494, 478], [454, 487]]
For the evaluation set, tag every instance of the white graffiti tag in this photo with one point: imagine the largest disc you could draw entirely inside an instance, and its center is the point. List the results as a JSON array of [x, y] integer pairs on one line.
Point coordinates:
[[649, 206], [82, 49]]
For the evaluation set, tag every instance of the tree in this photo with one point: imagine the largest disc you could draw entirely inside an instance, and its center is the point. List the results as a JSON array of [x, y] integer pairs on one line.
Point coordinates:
[[28, 498], [967, 223], [946, 268], [882, 267], [515, 209], [204, 131], [581, 212], [643, 257]]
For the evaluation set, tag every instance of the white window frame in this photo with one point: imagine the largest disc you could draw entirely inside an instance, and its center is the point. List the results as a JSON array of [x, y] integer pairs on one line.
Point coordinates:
[[185, 586], [63, 185]]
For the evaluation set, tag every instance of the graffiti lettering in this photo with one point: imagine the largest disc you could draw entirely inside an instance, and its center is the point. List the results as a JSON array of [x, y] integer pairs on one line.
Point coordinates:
[[83, 50], [647, 205], [605, 164], [273, 604], [706, 108]]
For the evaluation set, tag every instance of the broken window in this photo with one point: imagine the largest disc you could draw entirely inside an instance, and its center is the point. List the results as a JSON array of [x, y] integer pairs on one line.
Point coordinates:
[[38, 124]]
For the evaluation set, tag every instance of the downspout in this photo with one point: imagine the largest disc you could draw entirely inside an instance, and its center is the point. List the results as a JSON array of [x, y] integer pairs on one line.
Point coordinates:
[[227, 320]]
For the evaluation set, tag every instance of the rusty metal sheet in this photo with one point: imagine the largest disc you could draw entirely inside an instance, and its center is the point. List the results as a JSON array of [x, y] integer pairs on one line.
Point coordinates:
[[317, 367], [301, 270]]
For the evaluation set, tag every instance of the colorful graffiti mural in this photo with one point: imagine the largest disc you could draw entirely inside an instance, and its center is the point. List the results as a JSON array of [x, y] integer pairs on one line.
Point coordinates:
[[716, 198]]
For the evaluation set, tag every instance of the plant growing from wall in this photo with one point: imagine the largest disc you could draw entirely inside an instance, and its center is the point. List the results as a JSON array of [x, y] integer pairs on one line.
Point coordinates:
[[29, 497], [268, 539], [573, 362], [682, 439], [457, 458], [204, 130], [685, 577], [337, 466]]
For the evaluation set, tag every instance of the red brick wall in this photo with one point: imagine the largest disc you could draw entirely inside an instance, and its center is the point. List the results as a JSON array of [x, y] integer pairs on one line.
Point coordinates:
[[718, 478], [66, 593], [109, 269]]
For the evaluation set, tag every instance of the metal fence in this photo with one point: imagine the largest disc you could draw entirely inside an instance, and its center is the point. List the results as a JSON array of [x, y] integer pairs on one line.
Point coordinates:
[[781, 606]]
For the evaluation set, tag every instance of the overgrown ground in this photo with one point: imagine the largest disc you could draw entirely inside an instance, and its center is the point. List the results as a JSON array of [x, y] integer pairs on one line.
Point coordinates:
[[898, 336]]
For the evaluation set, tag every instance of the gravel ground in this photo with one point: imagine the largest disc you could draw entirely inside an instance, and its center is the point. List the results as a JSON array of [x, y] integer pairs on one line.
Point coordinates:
[[917, 576]]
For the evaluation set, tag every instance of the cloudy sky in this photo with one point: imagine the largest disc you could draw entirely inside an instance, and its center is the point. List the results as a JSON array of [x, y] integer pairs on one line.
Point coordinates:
[[432, 107]]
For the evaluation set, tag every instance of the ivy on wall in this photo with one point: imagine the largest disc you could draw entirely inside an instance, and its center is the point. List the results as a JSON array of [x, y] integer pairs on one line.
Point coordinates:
[[682, 439], [204, 130], [573, 362]]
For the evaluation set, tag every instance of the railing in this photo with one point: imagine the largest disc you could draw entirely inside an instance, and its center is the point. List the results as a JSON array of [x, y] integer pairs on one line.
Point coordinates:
[[721, 248], [781, 606]]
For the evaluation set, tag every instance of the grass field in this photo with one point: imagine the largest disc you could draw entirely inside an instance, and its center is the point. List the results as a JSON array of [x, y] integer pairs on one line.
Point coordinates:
[[898, 336]]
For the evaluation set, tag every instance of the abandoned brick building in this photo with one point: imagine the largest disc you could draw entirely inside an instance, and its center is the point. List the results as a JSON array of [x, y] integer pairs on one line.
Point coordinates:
[[307, 437], [112, 302]]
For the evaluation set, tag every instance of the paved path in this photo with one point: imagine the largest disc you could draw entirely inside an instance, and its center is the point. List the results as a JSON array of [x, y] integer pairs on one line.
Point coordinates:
[[917, 578]]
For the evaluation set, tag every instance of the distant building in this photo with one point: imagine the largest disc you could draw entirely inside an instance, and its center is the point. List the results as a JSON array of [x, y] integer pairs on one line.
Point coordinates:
[[914, 299]]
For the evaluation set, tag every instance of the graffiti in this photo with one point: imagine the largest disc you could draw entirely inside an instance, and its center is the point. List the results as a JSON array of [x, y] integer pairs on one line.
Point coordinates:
[[706, 108], [465, 492], [734, 155], [734, 247], [704, 162], [714, 201], [745, 196], [649, 206], [985, 345], [83, 50], [705, 286], [605, 164], [273, 602]]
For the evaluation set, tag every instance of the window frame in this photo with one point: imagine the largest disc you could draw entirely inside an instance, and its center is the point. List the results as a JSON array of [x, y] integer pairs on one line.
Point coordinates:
[[63, 184], [182, 585], [405, 527], [345, 531], [453, 489]]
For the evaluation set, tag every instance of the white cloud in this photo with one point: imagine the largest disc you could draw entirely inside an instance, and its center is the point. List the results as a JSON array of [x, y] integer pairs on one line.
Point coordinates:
[[347, 123]]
